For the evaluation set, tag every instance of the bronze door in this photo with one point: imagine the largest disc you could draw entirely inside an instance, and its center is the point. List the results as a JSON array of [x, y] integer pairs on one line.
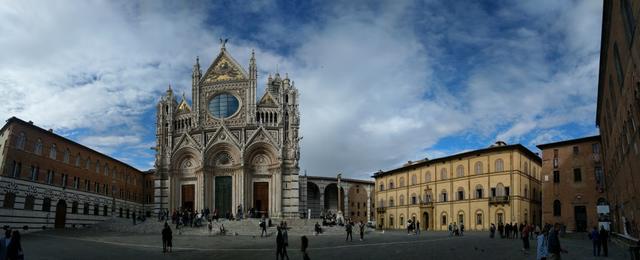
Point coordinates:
[[261, 197], [188, 196]]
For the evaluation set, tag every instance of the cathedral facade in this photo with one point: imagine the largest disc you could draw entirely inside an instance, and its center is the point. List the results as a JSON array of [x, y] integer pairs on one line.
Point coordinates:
[[228, 150]]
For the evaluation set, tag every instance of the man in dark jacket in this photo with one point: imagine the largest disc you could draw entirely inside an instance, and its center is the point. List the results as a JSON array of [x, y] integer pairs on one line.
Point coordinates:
[[166, 238], [349, 231], [604, 239], [279, 244], [554, 243]]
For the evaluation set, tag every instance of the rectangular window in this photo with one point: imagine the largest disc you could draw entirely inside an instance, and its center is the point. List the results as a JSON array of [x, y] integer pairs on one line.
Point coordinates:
[[493, 192], [50, 175], [556, 176], [599, 179], [444, 220], [506, 191], [34, 173], [17, 168], [444, 197], [479, 194], [577, 175], [576, 150], [97, 187], [618, 63], [596, 148], [460, 195], [64, 180]]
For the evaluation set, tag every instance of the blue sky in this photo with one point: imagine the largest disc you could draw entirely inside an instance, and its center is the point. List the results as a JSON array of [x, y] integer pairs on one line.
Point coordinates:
[[381, 83]]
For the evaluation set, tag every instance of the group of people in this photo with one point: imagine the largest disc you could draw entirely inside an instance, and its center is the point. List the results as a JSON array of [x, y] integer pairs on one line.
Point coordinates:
[[10, 246], [330, 219], [455, 230], [600, 240], [188, 217], [413, 227], [511, 230], [282, 241], [349, 228]]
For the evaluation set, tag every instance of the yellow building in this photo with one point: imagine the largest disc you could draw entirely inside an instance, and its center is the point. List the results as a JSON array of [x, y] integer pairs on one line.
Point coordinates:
[[492, 185]]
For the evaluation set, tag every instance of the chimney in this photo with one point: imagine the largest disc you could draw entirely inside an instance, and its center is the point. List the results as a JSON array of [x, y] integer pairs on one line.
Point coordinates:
[[31, 122]]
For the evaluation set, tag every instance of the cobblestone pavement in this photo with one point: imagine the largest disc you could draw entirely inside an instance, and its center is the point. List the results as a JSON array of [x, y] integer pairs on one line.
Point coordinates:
[[89, 244]]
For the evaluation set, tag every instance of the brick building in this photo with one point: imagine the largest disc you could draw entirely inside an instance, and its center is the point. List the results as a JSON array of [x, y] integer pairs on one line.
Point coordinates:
[[572, 183], [47, 180], [618, 112]]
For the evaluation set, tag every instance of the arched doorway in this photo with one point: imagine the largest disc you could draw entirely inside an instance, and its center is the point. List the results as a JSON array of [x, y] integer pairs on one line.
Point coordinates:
[[313, 199], [61, 214], [425, 218], [331, 198]]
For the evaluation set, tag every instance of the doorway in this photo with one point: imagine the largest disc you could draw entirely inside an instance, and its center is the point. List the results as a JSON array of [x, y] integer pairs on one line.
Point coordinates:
[[223, 195], [61, 214], [261, 198], [188, 197], [580, 213], [425, 224]]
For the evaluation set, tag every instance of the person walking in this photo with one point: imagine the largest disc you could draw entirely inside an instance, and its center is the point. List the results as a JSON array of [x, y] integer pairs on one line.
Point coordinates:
[[542, 250], [285, 240], [554, 243], [263, 226], [4, 242], [594, 235], [210, 227], [14, 249], [361, 226], [349, 229], [492, 230], [279, 244], [604, 240], [166, 238], [461, 229], [417, 227], [525, 238], [450, 229], [304, 243]]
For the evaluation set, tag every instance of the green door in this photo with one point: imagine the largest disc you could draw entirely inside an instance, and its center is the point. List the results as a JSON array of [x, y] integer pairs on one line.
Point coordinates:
[[223, 195]]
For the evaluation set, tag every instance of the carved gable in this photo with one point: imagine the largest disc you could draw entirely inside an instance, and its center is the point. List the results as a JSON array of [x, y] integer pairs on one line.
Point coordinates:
[[224, 68]]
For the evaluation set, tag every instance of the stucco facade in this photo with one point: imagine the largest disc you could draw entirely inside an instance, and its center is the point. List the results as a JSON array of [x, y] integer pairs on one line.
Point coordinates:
[[497, 184]]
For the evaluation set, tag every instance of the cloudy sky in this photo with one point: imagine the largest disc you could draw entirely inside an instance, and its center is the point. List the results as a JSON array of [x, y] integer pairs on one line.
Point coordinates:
[[380, 83]]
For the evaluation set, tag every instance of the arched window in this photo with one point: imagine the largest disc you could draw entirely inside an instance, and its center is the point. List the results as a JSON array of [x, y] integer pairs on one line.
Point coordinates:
[[499, 165], [381, 186], [381, 203], [391, 202], [38, 147], [85, 208], [499, 189], [535, 172], [556, 208], [390, 220], [401, 200], [106, 170], [28, 202], [105, 208], [9, 200], [414, 199], [526, 191], [46, 205], [443, 174], [74, 207], [428, 197], [443, 196], [87, 163], [390, 183], [526, 168], [444, 219], [414, 180], [22, 139], [96, 209], [97, 166], [460, 193], [479, 191], [78, 160], [66, 155], [427, 176], [401, 182], [401, 220], [478, 167], [479, 217], [53, 152], [459, 171]]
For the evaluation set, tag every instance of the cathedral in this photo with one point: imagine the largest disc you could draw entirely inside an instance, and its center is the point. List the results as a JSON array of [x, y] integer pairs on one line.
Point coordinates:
[[229, 150]]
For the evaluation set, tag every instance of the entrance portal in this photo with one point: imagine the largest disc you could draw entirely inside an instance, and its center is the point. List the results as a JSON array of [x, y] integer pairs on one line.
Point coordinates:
[[61, 214], [425, 224], [261, 198], [188, 197], [580, 213], [223, 195]]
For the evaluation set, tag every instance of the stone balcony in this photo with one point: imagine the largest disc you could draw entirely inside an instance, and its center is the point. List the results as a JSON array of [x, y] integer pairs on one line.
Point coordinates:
[[426, 204], [381, 209], [498, 200]]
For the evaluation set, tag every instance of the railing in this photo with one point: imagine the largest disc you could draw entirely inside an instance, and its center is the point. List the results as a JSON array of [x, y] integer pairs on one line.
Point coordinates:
[[499, 200], [426, 204]]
